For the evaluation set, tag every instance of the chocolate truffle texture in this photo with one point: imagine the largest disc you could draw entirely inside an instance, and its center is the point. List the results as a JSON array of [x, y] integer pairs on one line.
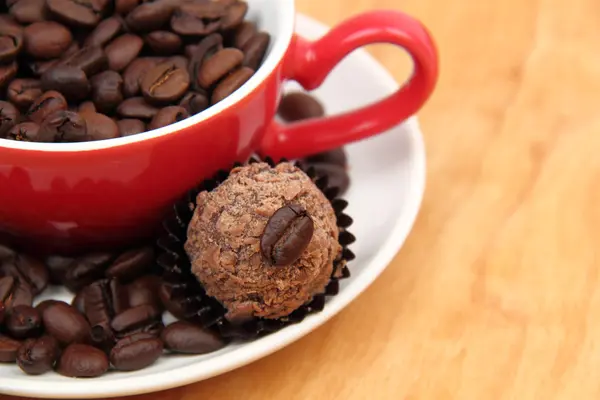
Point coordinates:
[[224, 242]]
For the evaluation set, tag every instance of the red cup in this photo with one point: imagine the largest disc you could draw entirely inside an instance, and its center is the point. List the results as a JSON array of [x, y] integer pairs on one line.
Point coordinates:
[[72, 197]]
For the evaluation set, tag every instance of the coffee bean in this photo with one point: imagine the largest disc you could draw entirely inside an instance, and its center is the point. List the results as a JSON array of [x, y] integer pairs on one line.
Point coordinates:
[[7, 73], [297, 106], [64, 126], [194, 102], [167, 116], [234, 16], [134, 73], [46, 39], [66, 324], [133, 318], [23, 92], [136, 107], [14, 293], [184, 337], [57, 266], [6, 252], [243, 34], [106, 31], [11, 41], [28, 270], [107, 91], [287, 234], [255, 50], [70, 81], [165, 83], [41, 307], [100, 126], [78, 301], [8, 349], [136, 352], [123, 50], [231, 83], [149, 16], [45, 105], [37, 356], [38, 68], [91, 59], [144, 290], [73, 48], [25, 132], [78, 13], [131, 264], [9, 116], [130, 126], [24, 322], [163, 42], [218, 66], [29, 11], [198, 18], [82, 361], [124, 7], [103, 300], [179, 62], [206, 49], [87, 269]]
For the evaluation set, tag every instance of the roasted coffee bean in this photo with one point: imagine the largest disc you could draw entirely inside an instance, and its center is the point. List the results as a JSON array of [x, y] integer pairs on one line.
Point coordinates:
[[179, 62], [287, 234], [82, 361], [106, 31], [134, 73], [8, 349], [23, 92], [11, 41], [78, 301], [297, 106], [87, 269], [218, 66], [165, 83], [243, 34], [91, 59], [7, 73], [131, 264], [6, 252], [66, 324], [38, 68], [124, 7], [107, 91], [58, 266], [336, 157], [100, 126], [78, 13], [70, 81], [73, 48], [163, 42], [198, 18], [25, 132], [29, 11], [41, 307], [9, 117], [336, 176], [150, 16], [167, 116], [255, 50], [184, 337], [136, 352], [123, 50], [86, 107], [28, 270], [194, 102], [37, 356], [64, 126], [46, 39], [130, 126], [144, 290], [24, 322], [14, 293], [134, 318], [206, 49], [231, 83], [136, 107], [234, 16], [103, 300], [45, 105]]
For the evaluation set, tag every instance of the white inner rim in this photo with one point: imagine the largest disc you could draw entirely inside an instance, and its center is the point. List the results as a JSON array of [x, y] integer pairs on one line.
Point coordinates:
[[284, 14]]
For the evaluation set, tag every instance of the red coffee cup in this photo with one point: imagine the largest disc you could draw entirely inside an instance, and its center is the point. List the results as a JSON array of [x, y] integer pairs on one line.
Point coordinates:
[[71, 197]]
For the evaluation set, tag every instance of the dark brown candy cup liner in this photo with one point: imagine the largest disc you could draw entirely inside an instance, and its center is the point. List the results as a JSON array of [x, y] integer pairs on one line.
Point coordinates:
[[206, 311]]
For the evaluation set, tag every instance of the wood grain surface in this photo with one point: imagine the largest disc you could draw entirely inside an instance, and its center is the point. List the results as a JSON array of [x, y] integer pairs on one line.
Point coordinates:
[[495, 294]]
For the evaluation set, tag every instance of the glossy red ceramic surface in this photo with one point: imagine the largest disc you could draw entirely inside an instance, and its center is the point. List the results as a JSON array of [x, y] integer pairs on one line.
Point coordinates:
[[73, 201]]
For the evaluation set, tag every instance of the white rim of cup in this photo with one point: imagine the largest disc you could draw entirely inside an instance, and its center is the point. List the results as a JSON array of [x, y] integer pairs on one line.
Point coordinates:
[[283, 38]]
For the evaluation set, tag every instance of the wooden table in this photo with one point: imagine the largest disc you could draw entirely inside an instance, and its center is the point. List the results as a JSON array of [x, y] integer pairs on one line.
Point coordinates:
[[494, 295]]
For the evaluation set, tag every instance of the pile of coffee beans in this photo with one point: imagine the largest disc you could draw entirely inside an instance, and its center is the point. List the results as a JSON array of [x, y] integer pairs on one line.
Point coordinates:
[[298, 106], [82, 70], [115, 320]]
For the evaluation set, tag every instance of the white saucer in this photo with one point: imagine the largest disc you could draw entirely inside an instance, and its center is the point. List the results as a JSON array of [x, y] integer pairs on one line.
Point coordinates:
[[388, 179]]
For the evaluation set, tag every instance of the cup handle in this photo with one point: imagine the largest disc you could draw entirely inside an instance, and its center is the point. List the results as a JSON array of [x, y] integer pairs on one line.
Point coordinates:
[[309, 63]]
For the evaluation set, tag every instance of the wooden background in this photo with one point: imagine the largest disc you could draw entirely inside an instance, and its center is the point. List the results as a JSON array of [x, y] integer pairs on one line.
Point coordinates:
[[495, 294]]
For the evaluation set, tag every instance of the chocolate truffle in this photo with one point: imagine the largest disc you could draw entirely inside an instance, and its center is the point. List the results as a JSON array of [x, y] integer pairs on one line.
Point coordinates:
[[224, 241]]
